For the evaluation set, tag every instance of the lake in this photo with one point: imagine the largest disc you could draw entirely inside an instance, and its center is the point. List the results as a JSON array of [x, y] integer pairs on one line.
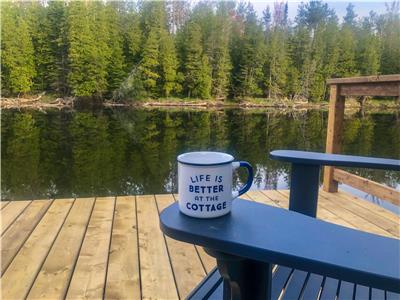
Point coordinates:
[[102, 152]]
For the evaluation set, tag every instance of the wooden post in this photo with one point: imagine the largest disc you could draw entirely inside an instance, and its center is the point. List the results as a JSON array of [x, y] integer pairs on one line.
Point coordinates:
[[334, 133]]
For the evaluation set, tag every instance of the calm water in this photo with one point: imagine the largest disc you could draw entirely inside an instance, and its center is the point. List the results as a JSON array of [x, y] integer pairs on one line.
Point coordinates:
[[117, 152]]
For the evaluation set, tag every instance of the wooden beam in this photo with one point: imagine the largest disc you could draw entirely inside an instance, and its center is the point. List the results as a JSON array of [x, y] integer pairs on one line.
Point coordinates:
[[334, 134], [365, 79], [371, 187], [370, 89]]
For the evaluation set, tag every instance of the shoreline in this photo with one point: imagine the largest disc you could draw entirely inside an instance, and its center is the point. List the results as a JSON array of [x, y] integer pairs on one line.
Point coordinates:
[[71, 103]]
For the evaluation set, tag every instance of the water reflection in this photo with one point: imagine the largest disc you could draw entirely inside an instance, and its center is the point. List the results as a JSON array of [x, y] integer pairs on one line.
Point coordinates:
[[117, 152]]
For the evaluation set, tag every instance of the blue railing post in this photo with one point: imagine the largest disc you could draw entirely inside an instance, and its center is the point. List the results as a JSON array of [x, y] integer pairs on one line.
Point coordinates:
[[304, 185]]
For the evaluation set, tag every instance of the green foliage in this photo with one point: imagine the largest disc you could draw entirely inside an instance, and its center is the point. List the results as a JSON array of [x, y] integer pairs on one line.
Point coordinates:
[[169, 66], [128, 50], [116, 71], [390, 31], [248, 53], [17, 52], [196, 65], [87, 53]]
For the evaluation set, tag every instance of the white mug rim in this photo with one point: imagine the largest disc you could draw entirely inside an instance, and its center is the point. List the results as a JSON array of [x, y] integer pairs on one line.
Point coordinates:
[[180, 157]]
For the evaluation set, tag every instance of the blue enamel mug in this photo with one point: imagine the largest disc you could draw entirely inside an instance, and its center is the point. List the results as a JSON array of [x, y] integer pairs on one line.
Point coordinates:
[[205, 183]]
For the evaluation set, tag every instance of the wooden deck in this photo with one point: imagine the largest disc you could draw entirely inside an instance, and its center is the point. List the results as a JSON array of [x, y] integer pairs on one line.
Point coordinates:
[[113, 247]]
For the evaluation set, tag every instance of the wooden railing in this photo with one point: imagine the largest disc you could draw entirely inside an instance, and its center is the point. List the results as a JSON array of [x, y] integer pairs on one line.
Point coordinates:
[[368, 186], [340, 88]]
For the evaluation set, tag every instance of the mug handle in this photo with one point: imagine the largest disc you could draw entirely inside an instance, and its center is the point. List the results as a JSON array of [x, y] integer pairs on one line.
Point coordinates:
[[246, 187]]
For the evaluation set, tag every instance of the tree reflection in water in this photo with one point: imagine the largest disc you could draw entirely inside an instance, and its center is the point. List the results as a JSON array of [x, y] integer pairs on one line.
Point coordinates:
[[119, 152]]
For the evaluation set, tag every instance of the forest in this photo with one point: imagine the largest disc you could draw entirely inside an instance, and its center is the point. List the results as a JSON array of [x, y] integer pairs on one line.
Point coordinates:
[[126, 51]]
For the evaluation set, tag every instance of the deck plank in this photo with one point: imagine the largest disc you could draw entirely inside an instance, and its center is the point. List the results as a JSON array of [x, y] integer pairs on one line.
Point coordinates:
[[4, 203], [11, 212], [85, 249], [281, 197], [322, 212], [55, 274], [351, 217], [207, 261], [157, 280], [123, 280], [376, 209], [370, 216], [18, 233], [258, 196], [185, 260], [21, 273], [88, 279]]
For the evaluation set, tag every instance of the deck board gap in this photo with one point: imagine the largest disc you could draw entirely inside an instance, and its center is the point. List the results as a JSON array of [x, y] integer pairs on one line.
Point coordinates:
[[4, 230], [49, 248], [79, 251], [27, 237], [4, 204], [358, 215], [195, 247], [138, 249], [109, 247], [169, 255]]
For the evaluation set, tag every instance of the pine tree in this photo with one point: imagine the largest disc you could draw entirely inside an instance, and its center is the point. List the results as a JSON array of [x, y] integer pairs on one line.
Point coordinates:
[[247, 54], [220, 57], [57, 68], [116, 66], [87, 62], [132, 37], [39, 27], [390, 32], [368, 50], [347, 63], [196, 66], [169, 65], [277, 63], [17, 63], [150, 62], [309, 47]]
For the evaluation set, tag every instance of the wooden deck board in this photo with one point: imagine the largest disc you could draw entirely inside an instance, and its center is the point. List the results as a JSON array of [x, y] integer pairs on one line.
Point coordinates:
[[157, 279], [113, 247], [4, 204], [56, 272], [89, 275], [15, 237], [20, 275], [11, 212], [185, 260], [207, 261], [123, 280]]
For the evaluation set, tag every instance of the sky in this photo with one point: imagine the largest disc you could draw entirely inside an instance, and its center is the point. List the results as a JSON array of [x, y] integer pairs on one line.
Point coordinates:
[[361, 7]]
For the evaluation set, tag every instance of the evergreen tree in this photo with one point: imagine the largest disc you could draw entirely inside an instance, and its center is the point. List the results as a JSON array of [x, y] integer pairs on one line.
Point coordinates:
[[39, 27], [309, 47], [57, 67], [116, 66], [368, 50], [276, 69], [150, 62], [196, 65], [17, 52], [347, 63], [132, 35], [390, 32], [87, 50], [169, 65], [220, 57], [248, 52]]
